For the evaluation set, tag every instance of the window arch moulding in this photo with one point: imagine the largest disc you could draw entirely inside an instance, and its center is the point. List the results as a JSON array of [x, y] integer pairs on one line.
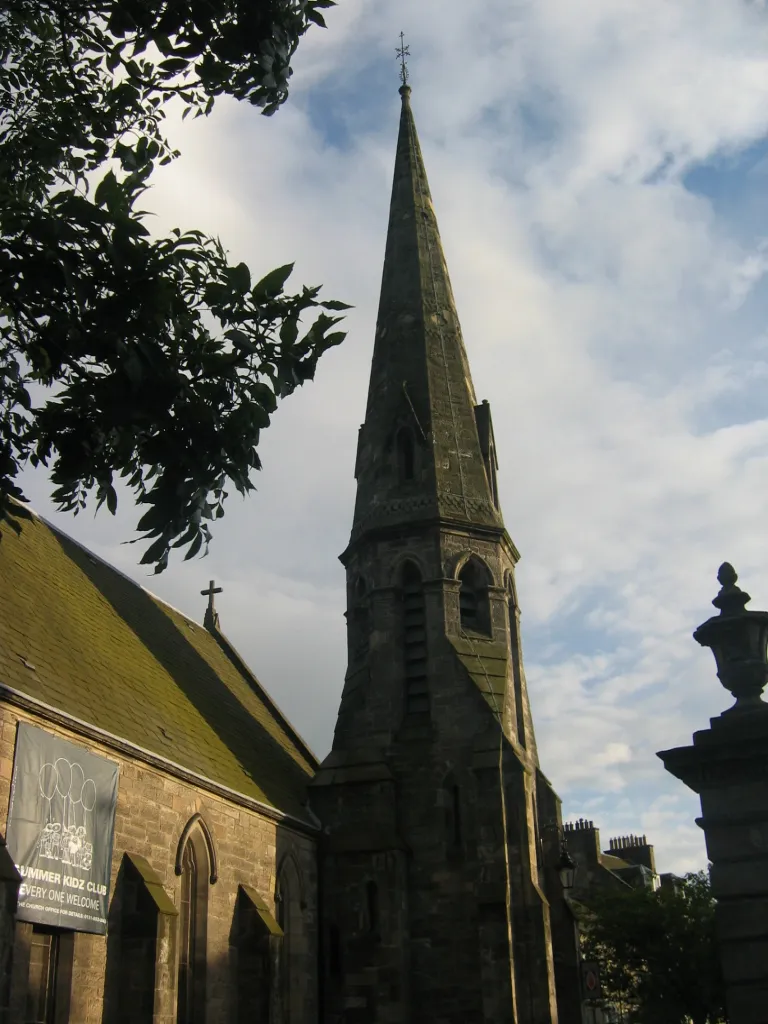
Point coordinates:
[[197, 821], [396, 577]]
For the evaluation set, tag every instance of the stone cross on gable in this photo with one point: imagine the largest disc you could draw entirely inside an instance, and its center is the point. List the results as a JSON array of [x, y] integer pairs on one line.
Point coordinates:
[[211, 620]]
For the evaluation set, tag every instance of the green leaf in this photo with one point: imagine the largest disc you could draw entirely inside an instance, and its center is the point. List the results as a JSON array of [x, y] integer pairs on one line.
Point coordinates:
[[272, 284], [241, 340], [173, 65], [336, 304], [216, 294], [155, 551], [290, 330], [106, 189], [239, 277], [154, 518], [334, 339], [197, 543]]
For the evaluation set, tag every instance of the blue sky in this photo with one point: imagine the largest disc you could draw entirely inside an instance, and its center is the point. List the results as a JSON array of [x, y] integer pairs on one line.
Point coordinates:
[[600, 176]]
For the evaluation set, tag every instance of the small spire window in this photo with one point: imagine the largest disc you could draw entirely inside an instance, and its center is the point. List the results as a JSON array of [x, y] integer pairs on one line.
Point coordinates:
[[453, 815], [359, 622], [406, 455], [372, 906]]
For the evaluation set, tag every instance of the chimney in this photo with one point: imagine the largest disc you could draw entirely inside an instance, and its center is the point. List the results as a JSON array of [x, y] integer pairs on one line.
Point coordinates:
[[633, 850], [583, 841]]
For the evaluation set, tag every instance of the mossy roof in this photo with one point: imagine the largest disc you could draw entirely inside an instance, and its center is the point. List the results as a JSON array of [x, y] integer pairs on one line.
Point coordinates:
[[80, 636]]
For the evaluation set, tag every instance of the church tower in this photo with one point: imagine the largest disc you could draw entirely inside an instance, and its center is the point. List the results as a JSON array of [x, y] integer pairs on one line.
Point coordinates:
[[440, 831]]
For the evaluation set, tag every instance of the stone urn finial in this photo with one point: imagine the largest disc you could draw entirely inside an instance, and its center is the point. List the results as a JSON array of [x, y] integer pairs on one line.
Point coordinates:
[[738, 639], [731, 599]]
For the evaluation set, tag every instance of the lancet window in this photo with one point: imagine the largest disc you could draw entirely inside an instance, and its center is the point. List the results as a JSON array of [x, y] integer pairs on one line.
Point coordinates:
[[406, 455], [193, 913], [293, 949]]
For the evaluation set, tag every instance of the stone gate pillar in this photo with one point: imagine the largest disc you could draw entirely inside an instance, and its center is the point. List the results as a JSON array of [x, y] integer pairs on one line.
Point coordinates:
[[727, 765]]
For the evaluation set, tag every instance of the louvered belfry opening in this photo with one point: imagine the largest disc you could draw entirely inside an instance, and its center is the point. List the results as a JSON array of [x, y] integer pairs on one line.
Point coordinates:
[[415, 644]]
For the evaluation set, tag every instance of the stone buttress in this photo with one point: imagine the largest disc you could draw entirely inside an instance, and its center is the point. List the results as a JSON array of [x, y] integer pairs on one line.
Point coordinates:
[[438, 823]]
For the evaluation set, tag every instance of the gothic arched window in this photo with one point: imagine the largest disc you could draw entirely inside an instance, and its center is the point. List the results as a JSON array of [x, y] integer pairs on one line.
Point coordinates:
[[195, 862], [406, 454], [474, 604], [289, 905], [190, 925], [414, 641]]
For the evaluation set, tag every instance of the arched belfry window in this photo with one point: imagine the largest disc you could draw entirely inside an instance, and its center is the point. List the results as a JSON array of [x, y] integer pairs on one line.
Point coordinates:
[[406, 454], [196, 863], [414, 641], [474, 604]]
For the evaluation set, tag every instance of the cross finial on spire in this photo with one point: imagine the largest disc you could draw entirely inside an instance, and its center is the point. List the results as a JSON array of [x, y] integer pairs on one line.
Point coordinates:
[[402, 52], [211, 618]]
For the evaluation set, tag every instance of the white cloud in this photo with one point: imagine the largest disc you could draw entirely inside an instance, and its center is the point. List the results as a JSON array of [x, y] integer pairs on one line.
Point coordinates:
[[606, 310]]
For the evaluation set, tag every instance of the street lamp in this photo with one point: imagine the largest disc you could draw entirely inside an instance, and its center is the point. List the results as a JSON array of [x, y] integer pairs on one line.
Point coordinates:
[[739, 641], [566, 868]]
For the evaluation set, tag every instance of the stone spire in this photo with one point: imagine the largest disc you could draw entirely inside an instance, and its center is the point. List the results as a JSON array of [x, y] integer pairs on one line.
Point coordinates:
[[434, 754], [420, 453]]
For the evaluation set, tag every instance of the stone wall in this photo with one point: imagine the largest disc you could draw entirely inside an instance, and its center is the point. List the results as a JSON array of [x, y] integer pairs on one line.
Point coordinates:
[[436, 808], [252, 849]]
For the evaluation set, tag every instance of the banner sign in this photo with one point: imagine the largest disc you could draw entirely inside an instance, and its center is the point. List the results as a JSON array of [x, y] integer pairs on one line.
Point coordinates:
[[61, 821]]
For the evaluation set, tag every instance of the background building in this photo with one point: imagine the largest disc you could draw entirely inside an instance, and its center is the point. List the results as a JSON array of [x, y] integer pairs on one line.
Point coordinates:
[[629, 860]]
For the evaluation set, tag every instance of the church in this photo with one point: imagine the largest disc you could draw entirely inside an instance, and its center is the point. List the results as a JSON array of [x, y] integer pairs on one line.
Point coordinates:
[[172, 851]]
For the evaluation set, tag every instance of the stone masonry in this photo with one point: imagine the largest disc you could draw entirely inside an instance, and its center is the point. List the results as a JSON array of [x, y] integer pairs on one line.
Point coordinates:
[[436, 871], [253, 848]]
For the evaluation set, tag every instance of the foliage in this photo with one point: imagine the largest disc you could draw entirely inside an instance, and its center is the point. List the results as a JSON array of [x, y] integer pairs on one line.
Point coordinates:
[[657, 952], [150, 359]]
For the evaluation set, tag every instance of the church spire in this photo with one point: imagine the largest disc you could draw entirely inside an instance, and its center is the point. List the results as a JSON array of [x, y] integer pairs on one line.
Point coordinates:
[[426, 449]]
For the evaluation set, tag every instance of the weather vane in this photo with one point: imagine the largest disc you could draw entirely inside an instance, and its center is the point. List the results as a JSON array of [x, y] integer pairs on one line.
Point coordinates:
[[402, 52]]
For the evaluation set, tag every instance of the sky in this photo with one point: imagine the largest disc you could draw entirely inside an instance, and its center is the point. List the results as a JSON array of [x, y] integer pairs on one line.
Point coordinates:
[[600, 176]]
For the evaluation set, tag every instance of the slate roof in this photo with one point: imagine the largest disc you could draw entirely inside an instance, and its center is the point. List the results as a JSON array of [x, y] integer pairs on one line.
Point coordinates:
[[80, 636]]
